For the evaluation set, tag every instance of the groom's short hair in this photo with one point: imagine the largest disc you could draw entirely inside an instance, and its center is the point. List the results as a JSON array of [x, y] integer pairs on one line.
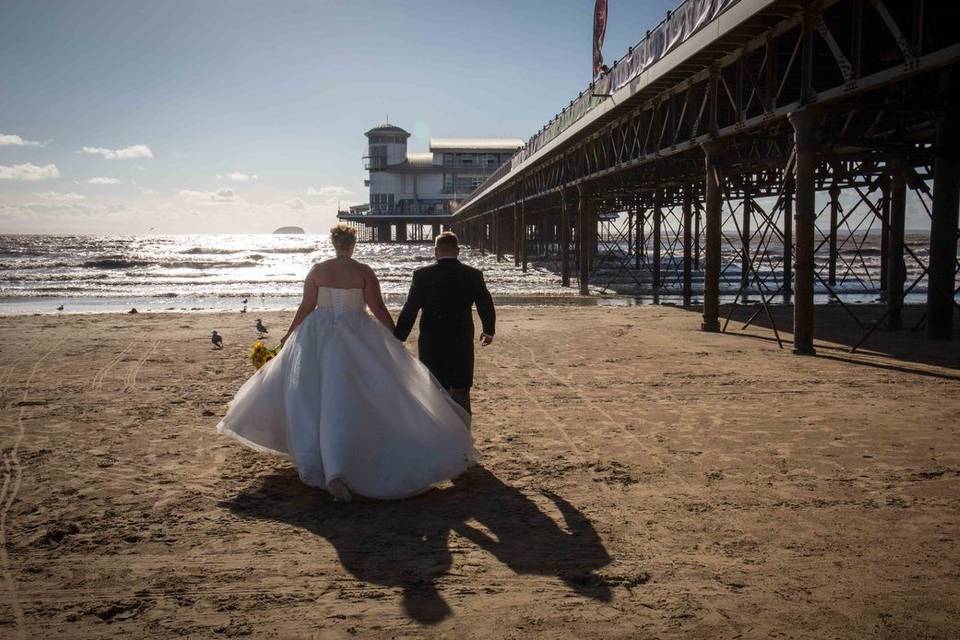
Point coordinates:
[[447, 241]]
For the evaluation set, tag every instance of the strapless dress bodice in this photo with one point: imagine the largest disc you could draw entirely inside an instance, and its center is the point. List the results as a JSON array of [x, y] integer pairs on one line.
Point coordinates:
[[340, 301]]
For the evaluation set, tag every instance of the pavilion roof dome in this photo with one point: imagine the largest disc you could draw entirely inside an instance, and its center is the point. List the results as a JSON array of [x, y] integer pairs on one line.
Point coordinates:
[[386, 127]]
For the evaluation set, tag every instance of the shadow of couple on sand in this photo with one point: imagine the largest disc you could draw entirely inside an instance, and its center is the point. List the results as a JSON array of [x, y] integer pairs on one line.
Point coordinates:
[[405, 543]]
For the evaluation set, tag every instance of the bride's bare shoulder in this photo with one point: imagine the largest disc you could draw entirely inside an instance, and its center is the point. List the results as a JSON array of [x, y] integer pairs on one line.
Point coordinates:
[[323, 263]]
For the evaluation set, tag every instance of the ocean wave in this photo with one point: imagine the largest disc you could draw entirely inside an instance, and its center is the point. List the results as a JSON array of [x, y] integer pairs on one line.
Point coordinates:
[[127, 263], [115, 262], [54, 277], [210, 251], [6, 266], [289, 250], [212, 264], [21, 253], [159, 280]]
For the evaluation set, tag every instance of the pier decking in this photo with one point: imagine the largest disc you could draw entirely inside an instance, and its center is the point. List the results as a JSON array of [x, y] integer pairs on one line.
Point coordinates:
[[774, 143]]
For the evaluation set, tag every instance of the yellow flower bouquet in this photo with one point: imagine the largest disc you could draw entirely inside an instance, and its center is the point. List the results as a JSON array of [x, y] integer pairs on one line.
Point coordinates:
[[261, 354]]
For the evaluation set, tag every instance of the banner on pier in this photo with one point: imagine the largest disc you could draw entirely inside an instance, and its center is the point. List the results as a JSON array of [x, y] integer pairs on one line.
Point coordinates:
[[679, 26], [599, 32]]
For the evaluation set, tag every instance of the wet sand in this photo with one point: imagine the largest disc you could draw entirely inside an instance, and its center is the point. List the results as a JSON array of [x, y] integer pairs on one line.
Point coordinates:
[[639, 479]]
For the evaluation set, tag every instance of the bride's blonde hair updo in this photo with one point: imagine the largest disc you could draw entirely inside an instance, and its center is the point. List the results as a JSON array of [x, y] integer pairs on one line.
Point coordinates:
[[343, 237]]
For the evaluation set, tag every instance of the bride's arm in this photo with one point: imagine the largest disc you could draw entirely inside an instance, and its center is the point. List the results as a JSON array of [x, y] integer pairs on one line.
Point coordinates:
[[307, 305], [374, 300]]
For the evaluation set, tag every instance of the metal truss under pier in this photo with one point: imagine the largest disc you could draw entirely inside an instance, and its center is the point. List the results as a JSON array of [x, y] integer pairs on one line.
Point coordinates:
[[770, 155]]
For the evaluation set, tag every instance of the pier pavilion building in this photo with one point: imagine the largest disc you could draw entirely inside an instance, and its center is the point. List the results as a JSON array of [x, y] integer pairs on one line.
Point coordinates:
[[413, 194]]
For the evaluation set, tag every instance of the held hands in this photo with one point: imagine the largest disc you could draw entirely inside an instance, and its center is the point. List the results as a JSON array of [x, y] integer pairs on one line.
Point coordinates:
[[485, 339]]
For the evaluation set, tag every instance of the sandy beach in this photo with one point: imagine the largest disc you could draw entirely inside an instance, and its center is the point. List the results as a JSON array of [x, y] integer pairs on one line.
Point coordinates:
[[639, 479]]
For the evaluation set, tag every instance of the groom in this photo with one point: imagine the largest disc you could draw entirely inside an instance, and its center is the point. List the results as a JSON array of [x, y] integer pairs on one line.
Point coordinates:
[[446, 292]]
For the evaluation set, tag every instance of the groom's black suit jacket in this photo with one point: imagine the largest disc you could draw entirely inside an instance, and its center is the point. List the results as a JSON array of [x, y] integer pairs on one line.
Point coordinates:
[[445, 292]]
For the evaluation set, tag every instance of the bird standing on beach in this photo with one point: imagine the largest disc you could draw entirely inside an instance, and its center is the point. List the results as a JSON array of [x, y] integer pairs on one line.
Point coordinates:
[[244, 310], [260, 328], [60, 308], [244, 301], [217, 340]]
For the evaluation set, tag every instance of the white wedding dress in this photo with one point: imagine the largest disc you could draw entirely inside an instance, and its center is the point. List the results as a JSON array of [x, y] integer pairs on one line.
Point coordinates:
[[353, 410]]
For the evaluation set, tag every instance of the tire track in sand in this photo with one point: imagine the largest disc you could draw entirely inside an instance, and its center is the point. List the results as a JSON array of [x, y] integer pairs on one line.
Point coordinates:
[[98, 377], [130, 381], [12, 477], [564, 381]]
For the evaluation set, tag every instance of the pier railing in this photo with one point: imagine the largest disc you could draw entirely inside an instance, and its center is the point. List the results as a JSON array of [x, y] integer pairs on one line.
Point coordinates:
[[678, 27]]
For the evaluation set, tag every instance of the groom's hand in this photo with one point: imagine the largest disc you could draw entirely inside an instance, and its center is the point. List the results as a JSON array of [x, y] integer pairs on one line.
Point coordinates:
[[485, 339]]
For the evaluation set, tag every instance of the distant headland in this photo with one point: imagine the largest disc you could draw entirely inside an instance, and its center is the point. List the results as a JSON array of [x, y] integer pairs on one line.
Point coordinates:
[[289, 230]]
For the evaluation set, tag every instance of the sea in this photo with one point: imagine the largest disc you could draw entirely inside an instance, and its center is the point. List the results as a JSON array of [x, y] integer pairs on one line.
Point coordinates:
[[176, 273], [204, 273]]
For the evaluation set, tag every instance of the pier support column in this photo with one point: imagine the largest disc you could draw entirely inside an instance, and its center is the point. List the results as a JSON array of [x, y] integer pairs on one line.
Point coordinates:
[[435, 230], [788, 194], [584, 216], [896, 268], [657, 232], [509, 231], [941, 286], [401, 232], [638, 244], [713, 213], [516, 234], [540, 230], [834, 221], [523, 235], [564, 239], [497, 236], [746, 216], [804, 129], [687, 248], [482, 232], [884, 235], [697, 224]]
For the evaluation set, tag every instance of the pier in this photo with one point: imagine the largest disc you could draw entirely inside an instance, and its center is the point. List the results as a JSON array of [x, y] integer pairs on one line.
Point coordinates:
[[395, 227], [755, 149]]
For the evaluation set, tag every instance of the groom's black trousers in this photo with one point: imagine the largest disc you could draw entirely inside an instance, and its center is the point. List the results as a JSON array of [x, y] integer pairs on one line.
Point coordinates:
[[461, 397]]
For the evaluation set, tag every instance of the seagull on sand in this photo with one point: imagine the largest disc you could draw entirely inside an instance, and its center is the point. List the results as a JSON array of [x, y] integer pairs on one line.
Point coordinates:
[[260, 328], [244, 301], [60, 308], [217, 340], [244, 310]]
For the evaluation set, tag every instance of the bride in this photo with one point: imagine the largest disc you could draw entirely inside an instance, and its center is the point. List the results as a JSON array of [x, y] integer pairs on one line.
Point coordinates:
[[344, 400]]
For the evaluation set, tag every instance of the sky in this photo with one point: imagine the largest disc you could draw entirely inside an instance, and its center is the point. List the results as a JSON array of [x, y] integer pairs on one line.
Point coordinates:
[[122, 116]]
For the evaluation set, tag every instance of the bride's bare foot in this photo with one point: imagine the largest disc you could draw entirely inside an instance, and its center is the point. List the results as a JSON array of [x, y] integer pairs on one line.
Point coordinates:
[[339, 490]]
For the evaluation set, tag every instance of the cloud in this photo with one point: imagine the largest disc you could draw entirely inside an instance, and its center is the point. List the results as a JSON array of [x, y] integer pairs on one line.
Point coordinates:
[[142, 189], [127, 153], [296, 203], [103, 181], [218, 196], [328, 192], [239, 177], [28, 172], [54, 196], [11, 140]]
